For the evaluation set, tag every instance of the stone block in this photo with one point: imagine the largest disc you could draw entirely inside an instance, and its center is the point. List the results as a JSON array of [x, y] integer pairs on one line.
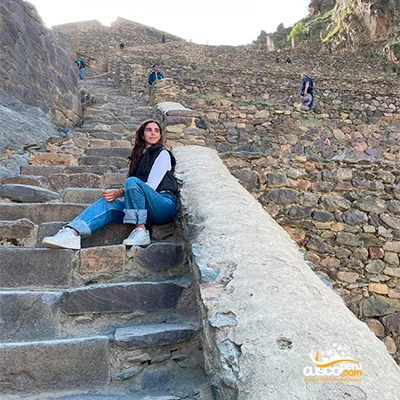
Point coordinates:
[[31, 180], [38, 213], [123, 152], [27, 194], [114, 180], [47, 229], [28, 315], [35, 267], [21, 232], [118, 162], [392, 323], [161, 256], [376, 327], [52, 159], [105, 259], [81, 196], [122, 297], [90, 169], [40, 170], [142, 336], [79, 180], [111, 234], [161, 232], [378, 288], [81, 363]]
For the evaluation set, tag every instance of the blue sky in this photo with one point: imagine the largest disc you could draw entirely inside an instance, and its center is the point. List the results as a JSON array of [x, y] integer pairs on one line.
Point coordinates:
[[214, 22]]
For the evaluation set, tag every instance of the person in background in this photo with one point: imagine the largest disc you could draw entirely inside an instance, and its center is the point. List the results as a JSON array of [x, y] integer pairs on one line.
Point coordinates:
[[288, 60], [163, 39], [148, 196], [155, 74], [306, 91], [81, 68]]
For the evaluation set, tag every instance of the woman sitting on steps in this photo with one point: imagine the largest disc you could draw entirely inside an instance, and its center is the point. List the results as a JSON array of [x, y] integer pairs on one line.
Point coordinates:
[[148, 195]]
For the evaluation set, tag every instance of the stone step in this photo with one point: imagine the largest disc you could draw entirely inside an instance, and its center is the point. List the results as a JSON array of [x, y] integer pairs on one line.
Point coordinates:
[[81, 196], [123, 152], [40, 268], [91, 396], [118, 162], [22, 267], [29, 315], [79, 180], [52, 159], [122, 297], [24, 233], [19, 233], [105, 135], [39, 213], [32, 180], [142, 336], [34, 367], [19, 193], [45, 170]]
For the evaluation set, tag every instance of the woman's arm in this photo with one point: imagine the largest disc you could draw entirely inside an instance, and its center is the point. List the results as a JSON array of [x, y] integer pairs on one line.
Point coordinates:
[[161, 166]]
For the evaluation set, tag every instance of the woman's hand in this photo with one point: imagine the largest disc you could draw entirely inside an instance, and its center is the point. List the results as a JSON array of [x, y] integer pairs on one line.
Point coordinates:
[[111, 194]]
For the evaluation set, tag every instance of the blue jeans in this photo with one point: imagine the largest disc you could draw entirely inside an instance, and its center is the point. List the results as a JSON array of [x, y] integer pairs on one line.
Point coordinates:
[[81, 73], [139, 205]]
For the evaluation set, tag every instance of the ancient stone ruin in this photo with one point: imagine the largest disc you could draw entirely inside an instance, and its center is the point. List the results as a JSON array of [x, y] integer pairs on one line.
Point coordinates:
[[285, 252]]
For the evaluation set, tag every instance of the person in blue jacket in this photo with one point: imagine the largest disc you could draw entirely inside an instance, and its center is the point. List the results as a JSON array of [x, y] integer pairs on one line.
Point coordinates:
[[81, 67], [307, 91], [155, 74]]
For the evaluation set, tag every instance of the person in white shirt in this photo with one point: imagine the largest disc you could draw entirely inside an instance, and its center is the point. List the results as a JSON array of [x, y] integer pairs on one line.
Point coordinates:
[[148, 196]]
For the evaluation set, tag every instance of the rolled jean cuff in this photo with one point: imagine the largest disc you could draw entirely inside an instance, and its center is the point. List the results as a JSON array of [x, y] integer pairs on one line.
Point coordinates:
[[81, 227], [135, 216]]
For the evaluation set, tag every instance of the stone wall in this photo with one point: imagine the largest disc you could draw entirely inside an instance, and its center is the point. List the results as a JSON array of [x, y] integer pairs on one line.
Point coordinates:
[[345, 214], [263, 310], [35, 67]]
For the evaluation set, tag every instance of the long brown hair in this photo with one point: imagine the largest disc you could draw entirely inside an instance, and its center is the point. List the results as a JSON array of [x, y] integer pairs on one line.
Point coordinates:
[[139, 149]]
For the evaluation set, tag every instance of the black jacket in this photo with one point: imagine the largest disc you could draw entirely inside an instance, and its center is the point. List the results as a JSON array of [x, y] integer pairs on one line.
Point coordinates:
[[143, 171]]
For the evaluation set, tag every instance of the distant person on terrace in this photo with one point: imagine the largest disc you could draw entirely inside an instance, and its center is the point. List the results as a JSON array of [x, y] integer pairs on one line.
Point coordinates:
[[148, 196], [155, 74], [81, 68], [306, 91]]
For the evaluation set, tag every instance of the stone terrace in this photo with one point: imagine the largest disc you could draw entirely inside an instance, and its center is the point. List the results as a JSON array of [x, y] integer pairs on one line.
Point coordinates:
[[329, 177]]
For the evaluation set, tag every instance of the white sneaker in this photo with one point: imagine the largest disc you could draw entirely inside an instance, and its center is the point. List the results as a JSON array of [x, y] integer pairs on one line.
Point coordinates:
[[66, 238], [138, 237]]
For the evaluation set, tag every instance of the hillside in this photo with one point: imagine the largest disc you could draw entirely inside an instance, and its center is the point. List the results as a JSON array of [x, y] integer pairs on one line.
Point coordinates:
[[370, 27]]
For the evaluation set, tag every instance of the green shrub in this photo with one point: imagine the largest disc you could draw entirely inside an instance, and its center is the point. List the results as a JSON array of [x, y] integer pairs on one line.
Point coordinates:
[[299, 30]]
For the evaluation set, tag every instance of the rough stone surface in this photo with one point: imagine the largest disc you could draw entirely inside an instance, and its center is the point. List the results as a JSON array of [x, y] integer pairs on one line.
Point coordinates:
[[38, 213], [27, 194], [33, 126], [161, 256], [21, 232], [267, 268], [81, 196], [28, 316], [39, 68], [107, 259], [36, 267], [79, 180], [124, 297], [54, 365], [152, 335]]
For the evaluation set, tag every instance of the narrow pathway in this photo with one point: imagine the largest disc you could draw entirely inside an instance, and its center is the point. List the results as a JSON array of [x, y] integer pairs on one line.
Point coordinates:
[[104, 322]]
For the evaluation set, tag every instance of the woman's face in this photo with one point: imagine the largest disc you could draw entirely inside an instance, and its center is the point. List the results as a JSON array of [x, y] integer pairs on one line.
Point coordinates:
[[152, 134]]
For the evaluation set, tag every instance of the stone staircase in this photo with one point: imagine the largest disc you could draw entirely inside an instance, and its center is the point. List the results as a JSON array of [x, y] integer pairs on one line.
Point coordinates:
[[103, 322]]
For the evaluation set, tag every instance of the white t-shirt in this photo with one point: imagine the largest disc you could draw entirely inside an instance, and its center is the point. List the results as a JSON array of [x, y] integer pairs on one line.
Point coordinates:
[[161, 166]]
